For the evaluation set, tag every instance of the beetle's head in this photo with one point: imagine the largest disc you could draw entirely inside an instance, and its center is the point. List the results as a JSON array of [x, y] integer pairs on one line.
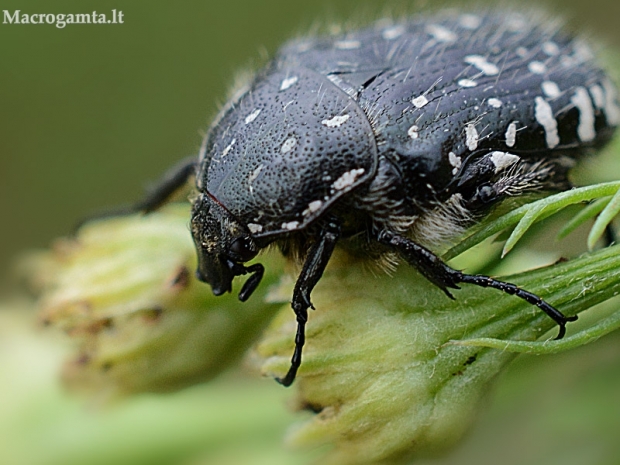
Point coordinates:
[[223, 244]]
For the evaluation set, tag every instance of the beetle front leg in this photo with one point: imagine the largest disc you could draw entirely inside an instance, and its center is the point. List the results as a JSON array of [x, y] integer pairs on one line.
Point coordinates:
[[443, 276], [313, 268], [172, 181]]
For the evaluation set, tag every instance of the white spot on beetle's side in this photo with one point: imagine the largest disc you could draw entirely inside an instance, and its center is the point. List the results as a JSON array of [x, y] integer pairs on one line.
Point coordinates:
[[537, 67], [440, 33], [255, 173], [467, 83], [455, 161], [420, 101], [312, 207], [291, 225], [288, 82], [585, 129], [288, 144], [347, 179], [495, 102], [252, 116], [393, 32], [336, 121], [347, 44], [228, 148], [303, 47], [598, 96], [612, 111], [550, 89], [583, 52], [511, 134], [521, 51], [550, 48], [471, 137], [255, 228], [503, 160], [516, 23], [413, 132], [480, 62], [544, 115], [469, 21]]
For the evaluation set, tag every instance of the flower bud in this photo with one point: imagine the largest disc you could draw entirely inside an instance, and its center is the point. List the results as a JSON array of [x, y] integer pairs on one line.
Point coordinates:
[[124, 290]]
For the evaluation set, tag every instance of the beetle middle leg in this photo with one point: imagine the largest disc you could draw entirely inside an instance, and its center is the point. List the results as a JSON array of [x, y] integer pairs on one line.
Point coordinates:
[[313, 268], [445, 277]]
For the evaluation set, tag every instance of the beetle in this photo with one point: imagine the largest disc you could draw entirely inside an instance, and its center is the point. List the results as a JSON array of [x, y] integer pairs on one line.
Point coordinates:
[[389, 140]]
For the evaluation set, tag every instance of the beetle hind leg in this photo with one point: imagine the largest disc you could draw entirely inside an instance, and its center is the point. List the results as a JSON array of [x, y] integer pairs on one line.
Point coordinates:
[[443, 276]]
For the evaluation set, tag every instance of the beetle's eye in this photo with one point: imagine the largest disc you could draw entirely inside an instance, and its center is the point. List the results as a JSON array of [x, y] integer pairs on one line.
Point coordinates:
[[243, 248], [486, 193]]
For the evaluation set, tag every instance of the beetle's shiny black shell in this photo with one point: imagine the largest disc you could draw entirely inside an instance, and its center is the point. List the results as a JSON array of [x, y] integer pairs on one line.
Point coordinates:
[[431, 95]]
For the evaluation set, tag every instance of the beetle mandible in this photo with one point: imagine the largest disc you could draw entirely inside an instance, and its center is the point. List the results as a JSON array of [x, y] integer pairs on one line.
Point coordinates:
[[391, 139]]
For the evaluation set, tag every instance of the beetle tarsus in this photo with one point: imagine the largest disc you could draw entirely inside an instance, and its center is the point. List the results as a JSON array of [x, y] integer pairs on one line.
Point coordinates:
[[443, 276]]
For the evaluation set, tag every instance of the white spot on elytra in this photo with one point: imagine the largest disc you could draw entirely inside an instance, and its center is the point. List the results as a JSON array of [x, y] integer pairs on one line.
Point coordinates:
[[511, 134], [393, 32], [288, 82], [255, 173], [551, 89], [521, 51], [550, 48], [313, 207], [288, 144], [537, 67], [413, 132], [228, 148], [290, 225], [467, 83], [420, 101], [347, 44], [585, 129], [598, 96], [503, 160], [347, 179], [252, 116], [495, 102], [254, 228], [455, 161], [469, 21], [440, 33], [336, 121], [544, 115], [612, 111], [471, 137], [482, 64]]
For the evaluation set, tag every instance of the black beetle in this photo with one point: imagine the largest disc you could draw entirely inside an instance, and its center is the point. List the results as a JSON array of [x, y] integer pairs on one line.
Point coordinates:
[[390, 137]]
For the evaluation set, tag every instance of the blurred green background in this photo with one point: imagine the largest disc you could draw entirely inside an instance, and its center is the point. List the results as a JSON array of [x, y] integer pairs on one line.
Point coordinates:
[[91, 114]]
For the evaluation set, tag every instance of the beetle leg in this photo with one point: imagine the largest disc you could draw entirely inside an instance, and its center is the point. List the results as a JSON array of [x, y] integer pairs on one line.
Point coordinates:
[[257, 270], [440, 274], [313, 268], [173, 180]]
